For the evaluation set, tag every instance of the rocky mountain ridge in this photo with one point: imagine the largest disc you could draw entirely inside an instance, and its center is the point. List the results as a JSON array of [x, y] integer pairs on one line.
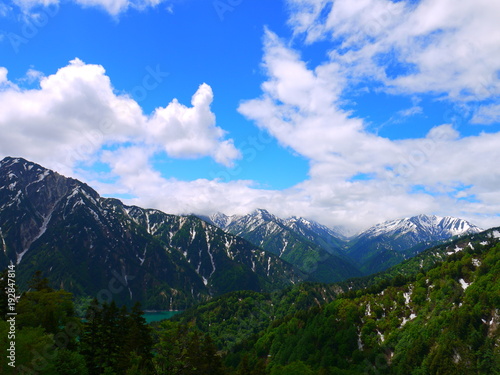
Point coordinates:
[[372, 250], [97, 246]]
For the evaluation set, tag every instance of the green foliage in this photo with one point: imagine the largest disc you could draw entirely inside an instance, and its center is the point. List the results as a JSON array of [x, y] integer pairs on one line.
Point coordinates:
[[184, 350], [443, 320], [294, 368], [46, 332], [70, 362], [249, 367], [440, 320], [114, 340], [235, 277], [51, 310], [34, 350], [39, 283]]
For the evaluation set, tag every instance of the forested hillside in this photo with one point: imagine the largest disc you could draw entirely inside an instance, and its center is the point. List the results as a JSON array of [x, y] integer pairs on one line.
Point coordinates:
[[440, 319], [443, 320]]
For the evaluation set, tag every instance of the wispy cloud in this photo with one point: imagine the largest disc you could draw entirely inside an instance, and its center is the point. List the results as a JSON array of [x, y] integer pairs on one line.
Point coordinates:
[[113, 7], [401, 116], [302, 107], [409, 112], [4, 9], [448, 47], [487, 114]]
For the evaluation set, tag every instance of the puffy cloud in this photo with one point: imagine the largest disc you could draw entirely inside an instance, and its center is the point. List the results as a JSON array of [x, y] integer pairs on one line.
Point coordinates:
[[3, 75], [5, 84], [191, 132], [75, 112], [137, 177], [356, 177], [301, 109]]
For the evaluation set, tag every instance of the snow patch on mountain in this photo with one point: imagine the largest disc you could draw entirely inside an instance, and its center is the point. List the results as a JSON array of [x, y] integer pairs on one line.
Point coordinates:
[[4, 246], [464, 284], [455, 250], [424, 226], [260, 217]]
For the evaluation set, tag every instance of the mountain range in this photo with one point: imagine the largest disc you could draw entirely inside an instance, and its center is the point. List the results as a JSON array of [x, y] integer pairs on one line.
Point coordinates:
[[336, 257], [96, 246], [315, 249], [389, 243]]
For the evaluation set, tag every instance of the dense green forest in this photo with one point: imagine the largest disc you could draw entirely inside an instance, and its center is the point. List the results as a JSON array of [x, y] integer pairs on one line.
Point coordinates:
[[440, 319], [443, 320]]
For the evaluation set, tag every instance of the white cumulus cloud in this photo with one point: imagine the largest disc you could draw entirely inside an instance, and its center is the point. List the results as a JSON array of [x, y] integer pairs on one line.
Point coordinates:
[[3, 75], [76, 111], [357, 177], [191, 132]]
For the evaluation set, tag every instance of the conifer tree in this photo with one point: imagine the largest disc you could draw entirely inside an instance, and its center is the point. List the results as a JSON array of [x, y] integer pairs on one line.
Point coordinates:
[[90, 339], [139, 337], [39, 283], [110, 335]]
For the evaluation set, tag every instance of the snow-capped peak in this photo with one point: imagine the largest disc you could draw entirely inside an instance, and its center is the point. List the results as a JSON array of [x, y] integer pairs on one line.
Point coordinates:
[[435, 227]]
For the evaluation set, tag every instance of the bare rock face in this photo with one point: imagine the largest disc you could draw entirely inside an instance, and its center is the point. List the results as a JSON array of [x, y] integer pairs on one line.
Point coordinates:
[[28, 197], [313, 248], [99, 247]]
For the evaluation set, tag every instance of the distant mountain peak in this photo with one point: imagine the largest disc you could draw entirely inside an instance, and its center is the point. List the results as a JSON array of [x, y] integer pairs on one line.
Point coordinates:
[[425, 225], [389, 243], [263, 214], [310, 246]]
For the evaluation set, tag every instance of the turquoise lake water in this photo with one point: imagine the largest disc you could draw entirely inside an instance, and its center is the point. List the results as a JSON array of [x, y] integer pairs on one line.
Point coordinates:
[[159, 315]]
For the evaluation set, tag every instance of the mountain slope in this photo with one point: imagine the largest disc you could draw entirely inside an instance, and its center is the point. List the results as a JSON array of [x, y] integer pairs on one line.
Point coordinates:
[[330, 240], [442, 320], [311, 247], [99, 247], [389, 243]]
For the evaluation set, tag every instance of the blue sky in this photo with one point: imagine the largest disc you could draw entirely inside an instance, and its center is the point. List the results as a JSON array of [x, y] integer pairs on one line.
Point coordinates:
[[349, 113]]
